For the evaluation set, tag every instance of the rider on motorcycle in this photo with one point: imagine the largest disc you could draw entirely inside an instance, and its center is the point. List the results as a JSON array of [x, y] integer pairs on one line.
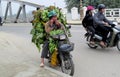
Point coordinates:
[[87, 22], [52, 24], [102, 23]]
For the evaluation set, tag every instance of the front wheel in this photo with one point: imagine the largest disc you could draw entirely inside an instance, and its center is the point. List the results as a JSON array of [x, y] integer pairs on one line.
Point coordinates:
[[67, 65], [118, 45]]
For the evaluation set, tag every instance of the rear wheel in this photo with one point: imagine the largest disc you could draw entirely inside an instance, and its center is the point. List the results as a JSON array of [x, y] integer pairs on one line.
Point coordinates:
[[67, 65], [93, 46]]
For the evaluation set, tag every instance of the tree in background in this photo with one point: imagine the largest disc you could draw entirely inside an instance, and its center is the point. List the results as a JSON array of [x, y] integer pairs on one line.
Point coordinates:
[[108, 3], [72, 3]]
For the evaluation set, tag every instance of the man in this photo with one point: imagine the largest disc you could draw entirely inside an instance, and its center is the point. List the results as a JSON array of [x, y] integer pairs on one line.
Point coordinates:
[[52, 24], [102, 23]]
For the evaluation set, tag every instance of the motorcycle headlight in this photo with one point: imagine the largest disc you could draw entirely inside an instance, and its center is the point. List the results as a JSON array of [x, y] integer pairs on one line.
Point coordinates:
[[55, 37], [62, 37]]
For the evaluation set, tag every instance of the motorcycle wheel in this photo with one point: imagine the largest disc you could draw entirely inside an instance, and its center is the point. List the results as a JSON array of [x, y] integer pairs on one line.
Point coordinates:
[[67, 65], [118, 45], [91, 45]]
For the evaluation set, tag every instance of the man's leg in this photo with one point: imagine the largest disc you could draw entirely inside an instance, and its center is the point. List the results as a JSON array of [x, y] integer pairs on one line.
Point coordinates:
[[104, 33], [44, 53]]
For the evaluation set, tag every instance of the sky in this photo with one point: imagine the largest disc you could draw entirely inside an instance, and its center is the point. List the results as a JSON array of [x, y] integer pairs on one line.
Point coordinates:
[[15, 6], [59, 3]]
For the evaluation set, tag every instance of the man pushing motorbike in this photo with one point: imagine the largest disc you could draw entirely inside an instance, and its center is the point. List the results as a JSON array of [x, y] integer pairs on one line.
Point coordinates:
[[102, 24], [52, 24]]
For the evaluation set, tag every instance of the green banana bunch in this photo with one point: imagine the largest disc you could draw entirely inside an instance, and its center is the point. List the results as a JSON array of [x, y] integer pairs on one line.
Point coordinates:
[[38, 31], [52, 45], [56, 32]]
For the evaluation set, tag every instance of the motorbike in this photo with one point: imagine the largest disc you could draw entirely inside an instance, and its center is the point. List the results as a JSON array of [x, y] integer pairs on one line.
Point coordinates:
[[64, 57], [113, 38]]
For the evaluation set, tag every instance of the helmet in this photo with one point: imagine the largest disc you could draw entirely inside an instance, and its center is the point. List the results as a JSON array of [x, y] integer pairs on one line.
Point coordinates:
[[90, 8], [52, 13], [101, 6]]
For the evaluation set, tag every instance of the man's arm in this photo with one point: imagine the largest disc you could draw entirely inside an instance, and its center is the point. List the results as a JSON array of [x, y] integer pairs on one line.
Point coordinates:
[[48, 28], [62, 26], [97, 21], [106, 20]]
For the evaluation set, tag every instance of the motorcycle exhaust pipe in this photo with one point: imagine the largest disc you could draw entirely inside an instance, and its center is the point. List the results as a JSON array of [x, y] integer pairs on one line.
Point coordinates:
[[98, 37]]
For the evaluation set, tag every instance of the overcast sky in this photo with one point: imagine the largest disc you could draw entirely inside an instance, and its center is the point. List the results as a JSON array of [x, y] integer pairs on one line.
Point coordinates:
[[59, 3], [15, 6]]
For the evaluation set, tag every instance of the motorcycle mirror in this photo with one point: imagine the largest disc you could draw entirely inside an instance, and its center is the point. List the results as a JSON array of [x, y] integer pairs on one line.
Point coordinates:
[[68, 27]]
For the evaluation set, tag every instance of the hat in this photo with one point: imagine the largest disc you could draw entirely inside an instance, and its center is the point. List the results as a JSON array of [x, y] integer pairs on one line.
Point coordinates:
[[90, 8], [52, 13]]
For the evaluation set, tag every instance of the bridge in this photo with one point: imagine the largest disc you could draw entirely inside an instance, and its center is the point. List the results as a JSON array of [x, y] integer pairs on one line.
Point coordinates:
[[22, 8]]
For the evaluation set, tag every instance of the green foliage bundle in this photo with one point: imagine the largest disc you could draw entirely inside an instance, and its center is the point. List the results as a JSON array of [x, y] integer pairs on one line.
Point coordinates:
[[40, 18]]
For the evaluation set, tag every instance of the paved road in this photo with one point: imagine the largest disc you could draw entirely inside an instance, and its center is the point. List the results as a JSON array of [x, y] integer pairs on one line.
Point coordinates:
[[18, 29], [88, 62]]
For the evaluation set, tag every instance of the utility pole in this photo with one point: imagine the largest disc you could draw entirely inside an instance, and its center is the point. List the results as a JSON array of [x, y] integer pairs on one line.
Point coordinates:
[[81, 10]]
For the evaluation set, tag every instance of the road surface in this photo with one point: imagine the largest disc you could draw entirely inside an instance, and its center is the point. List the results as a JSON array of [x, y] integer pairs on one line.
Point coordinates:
[[88, 62]]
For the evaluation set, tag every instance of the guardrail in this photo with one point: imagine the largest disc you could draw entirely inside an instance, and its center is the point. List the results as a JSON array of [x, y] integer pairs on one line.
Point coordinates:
[[113, 14]]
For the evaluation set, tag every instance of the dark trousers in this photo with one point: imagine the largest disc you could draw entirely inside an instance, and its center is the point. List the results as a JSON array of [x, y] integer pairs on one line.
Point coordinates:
[[45, 49], [91, 29], [104, 30]]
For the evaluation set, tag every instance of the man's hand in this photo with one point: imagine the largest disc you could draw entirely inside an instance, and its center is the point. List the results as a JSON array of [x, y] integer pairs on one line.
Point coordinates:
[[105, 23], [57, 23]]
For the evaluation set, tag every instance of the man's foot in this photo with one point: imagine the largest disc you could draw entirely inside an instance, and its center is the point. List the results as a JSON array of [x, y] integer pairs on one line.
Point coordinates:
[[42, 65], [92, 42], [102, 44], [86, 34]]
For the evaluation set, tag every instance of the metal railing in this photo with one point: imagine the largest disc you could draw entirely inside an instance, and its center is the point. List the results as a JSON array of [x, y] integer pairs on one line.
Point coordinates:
[[113, 14]]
